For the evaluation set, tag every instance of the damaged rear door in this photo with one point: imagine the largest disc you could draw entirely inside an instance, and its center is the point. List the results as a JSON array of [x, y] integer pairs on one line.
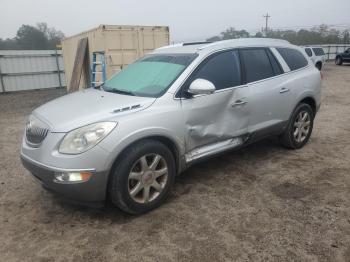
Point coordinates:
[[212, 120]]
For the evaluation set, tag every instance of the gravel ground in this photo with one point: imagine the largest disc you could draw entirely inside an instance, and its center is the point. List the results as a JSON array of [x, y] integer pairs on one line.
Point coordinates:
[[263, 203]]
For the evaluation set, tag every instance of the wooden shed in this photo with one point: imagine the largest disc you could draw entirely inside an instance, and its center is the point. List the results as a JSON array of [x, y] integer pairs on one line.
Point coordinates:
[[121, 46]]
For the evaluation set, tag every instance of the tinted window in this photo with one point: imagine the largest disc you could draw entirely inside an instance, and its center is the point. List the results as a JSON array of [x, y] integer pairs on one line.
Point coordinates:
[[222, 69], [318, 51], [308, 52], [293, 58], [257, 64]]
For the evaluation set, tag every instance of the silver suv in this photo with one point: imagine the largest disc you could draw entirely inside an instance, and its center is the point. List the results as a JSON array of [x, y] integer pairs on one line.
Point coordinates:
[[127, 139]]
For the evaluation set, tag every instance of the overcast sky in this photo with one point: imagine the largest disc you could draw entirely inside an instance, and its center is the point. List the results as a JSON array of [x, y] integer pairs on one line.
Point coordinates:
[[188, 20]]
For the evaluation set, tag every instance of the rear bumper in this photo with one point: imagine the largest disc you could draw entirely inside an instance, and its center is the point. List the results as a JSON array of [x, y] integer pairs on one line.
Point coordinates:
[[90, 193]]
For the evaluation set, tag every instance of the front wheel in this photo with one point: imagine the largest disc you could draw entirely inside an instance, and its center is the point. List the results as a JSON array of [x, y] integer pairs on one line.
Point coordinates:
[[299, 128], [142, 177], [338, 61]]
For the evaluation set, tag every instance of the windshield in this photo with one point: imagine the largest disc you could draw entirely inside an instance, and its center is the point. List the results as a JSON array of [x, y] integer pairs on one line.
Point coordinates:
[[150, 76]]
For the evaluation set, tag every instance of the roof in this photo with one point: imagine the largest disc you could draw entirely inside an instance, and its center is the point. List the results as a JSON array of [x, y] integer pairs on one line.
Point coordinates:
[[117, 27], [207, 47]]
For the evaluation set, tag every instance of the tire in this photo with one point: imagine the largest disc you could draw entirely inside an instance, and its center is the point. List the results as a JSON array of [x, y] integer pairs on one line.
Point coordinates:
[[338, 61], [319, 66], [298, 133], [134, 176]]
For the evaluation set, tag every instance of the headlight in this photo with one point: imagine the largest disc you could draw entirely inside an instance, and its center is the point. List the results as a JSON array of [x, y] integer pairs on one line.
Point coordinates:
[[84, 138]]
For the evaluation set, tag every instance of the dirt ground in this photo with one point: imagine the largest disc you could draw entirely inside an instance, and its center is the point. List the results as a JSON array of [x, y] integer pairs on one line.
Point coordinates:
[[263, 203]]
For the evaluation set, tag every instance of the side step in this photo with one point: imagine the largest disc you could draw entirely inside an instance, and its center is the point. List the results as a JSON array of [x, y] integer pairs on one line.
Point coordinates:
[[215, 148]]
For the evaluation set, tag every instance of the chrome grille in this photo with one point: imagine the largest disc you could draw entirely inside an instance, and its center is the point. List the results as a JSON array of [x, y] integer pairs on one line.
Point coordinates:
[[35, 134]]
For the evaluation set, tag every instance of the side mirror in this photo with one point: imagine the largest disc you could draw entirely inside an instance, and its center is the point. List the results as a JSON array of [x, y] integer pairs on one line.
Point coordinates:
[[201, 87]]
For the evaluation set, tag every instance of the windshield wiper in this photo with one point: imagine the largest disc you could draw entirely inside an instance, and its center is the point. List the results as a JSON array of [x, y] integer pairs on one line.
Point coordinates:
[[99, 87], [119, 91]]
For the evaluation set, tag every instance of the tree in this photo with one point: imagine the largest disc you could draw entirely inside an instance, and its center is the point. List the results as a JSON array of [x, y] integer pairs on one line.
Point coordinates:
[[346, 37], [8, 44], [230, 33], [30, 37], [317, 35], [259, 35], [54, 36], [214, 39]]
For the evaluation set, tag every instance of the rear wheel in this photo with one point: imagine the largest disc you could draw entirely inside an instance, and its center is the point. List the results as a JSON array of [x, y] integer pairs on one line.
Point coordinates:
[[338, 61], [299, 128], [142, 177], [319, 66]]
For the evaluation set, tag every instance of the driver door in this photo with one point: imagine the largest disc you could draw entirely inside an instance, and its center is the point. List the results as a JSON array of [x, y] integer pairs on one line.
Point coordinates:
[[346, 55], [222, 115]]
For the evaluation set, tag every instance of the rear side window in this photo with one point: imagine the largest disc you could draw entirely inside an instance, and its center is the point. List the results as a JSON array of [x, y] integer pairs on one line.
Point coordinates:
[[222, 69], [308, 52], [294, 58], [318, 51], [256, 64]]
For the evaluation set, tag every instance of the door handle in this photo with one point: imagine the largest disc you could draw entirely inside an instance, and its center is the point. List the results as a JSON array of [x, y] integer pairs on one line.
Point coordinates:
[[284, 90], [239, 103]]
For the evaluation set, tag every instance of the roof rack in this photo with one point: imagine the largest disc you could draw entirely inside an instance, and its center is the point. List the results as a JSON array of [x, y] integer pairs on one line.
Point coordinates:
[[265, 40], [184, 44], [197, 43], [228, 43]]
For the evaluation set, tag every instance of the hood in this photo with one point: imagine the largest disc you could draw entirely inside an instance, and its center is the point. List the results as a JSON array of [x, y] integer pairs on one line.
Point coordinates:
[[88, 106]]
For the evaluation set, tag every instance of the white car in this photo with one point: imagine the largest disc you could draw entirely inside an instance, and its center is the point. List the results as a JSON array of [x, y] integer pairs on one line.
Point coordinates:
[[317, 56]]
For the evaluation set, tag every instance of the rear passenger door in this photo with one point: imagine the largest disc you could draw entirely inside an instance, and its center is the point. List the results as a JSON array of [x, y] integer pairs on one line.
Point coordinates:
[[268, 96]]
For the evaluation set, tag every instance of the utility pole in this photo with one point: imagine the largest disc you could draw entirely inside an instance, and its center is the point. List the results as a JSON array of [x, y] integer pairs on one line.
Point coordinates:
[[267, 16]]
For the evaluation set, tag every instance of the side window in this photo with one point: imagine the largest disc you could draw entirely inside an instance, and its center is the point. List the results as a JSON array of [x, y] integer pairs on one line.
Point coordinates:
[[318, 51], [257, 64], [294, 58], [222, 69], [308, 52]]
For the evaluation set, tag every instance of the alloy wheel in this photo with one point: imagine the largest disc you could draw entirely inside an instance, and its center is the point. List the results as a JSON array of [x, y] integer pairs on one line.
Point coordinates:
[[147, 178], [301, 126]]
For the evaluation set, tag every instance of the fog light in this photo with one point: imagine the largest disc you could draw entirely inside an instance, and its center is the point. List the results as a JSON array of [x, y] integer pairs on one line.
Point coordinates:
[[67, 177]]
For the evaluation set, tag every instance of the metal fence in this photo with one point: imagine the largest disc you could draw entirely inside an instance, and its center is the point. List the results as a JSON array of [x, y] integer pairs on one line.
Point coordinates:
[[41, 69], [31, 69], [332, 50]]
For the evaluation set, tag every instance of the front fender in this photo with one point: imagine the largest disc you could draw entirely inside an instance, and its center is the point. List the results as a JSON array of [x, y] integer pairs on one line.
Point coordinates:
[[122, 143]]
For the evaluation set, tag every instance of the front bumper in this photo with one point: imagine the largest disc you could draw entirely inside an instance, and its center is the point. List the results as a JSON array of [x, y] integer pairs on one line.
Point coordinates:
[[90, 193]]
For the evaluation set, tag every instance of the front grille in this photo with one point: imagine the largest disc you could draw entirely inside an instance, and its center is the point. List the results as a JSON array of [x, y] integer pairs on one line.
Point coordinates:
[[35, 134]]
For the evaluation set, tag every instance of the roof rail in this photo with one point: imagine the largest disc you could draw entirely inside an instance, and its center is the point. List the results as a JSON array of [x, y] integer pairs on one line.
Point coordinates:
[[269, 40], [169, 46], [197, 43], [184, 44]]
